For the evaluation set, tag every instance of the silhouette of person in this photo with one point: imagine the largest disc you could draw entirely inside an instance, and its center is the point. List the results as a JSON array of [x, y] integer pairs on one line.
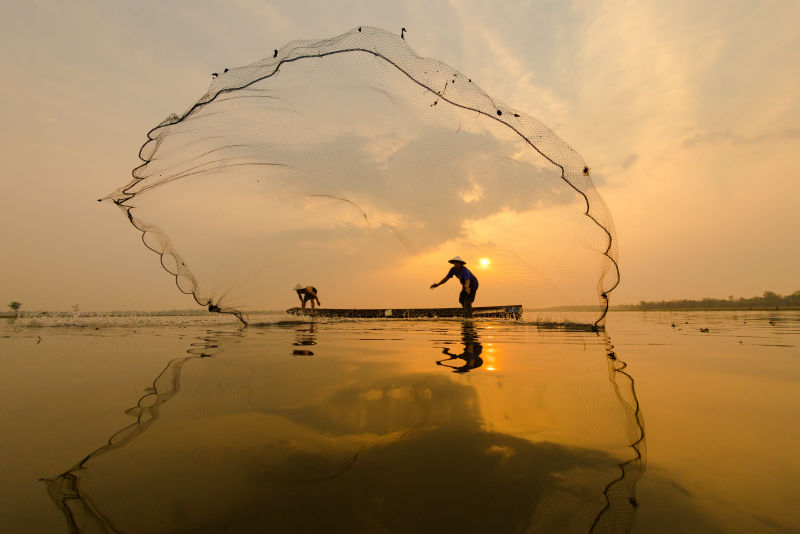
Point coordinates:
[[469, 283], [307, 294], [471, 354]]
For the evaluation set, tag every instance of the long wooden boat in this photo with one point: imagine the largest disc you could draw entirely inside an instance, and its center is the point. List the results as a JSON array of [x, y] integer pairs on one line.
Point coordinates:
[[511, 311]]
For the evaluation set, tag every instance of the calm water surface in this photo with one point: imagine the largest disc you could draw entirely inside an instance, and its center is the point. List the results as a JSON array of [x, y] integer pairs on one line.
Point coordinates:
[[153, 424]]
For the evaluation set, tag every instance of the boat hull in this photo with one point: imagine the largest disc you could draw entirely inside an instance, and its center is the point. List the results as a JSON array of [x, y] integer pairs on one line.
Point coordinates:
[[513, 311]]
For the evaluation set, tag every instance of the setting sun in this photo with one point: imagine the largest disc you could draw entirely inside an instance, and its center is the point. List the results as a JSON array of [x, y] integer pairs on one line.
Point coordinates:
[[485, 262]]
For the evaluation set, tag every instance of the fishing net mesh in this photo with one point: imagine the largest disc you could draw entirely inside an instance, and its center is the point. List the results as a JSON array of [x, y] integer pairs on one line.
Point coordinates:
[[356, 166]]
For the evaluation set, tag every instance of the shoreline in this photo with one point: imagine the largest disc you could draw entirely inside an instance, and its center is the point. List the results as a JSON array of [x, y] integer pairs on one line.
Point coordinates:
[[202, 313]]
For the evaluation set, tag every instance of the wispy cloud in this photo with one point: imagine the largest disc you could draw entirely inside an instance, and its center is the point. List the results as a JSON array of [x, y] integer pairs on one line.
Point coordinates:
[[733, 138]]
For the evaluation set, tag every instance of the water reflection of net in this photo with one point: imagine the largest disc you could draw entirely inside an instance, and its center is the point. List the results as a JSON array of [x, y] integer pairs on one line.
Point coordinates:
[[620, 494], [371, 439], [81, 513]]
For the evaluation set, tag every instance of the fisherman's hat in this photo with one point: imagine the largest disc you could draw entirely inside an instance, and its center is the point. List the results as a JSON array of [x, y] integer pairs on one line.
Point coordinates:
[[457, 259], [298, 286]]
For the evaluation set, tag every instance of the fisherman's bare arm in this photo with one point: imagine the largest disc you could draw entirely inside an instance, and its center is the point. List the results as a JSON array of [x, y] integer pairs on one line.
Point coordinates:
[[440, 282]]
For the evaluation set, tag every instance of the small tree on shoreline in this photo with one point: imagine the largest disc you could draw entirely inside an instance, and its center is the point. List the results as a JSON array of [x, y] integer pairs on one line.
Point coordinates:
[[15, 306]]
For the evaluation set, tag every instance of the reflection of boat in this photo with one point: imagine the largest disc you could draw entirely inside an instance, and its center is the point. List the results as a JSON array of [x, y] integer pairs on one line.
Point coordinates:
[[511, 311]]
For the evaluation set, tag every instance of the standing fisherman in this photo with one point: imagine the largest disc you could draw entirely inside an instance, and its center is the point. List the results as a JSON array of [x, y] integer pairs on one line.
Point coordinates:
[[306, 294], [469, 283]]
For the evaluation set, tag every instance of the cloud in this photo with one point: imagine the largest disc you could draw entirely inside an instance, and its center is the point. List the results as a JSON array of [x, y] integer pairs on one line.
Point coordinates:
[[630, 160], [720, 137]]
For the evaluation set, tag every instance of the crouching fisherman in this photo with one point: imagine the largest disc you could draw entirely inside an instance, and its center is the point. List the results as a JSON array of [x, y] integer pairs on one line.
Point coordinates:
[[307, 294]]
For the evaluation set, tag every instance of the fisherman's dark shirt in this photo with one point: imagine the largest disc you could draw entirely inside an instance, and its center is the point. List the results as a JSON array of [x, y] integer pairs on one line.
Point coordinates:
[[463, 274]]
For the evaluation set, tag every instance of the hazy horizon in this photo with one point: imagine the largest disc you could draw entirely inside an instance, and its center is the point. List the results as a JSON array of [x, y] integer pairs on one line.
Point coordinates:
[[292, 304], [687, 115]]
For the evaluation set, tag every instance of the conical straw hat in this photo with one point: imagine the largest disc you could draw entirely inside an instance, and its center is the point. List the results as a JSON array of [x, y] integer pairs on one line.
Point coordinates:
[[298, 286], [457, 258]]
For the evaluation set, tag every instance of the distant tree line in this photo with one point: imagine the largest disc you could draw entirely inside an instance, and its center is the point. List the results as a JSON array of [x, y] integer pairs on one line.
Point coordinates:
[[769, 300], [15, 306]]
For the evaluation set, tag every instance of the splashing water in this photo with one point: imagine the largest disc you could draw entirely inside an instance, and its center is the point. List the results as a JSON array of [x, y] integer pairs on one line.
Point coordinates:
[[359, 167]]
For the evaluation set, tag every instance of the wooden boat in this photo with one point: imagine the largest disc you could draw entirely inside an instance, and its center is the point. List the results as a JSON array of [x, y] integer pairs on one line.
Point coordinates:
[[511, 311]]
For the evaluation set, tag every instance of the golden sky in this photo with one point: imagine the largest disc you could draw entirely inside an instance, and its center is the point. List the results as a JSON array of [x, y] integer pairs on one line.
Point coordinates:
[[686, 112]]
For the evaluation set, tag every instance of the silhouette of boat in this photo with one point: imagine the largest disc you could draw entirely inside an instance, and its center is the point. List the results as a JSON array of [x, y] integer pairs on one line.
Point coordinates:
[[510, 311]]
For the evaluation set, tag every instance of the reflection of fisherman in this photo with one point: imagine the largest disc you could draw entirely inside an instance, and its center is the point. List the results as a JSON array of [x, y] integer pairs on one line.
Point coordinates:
[[469, 284], [305, 336], [472, 351], [307, 294]]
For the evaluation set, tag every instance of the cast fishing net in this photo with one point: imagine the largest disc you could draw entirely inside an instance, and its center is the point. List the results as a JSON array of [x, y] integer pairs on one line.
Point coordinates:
[[356, 166]]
